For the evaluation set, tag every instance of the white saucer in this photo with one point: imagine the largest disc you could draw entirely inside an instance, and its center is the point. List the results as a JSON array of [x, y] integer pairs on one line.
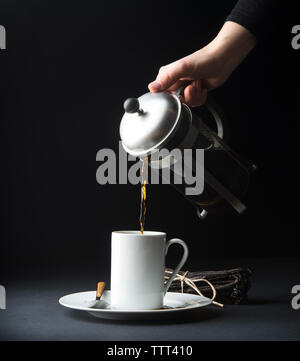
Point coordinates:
[[173, 302]]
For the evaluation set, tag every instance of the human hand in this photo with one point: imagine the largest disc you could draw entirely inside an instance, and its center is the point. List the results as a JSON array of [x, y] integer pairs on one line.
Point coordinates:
[[207, 68]]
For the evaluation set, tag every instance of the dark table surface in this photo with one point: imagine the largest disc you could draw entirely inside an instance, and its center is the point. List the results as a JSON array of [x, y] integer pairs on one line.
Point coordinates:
[[33, 311]]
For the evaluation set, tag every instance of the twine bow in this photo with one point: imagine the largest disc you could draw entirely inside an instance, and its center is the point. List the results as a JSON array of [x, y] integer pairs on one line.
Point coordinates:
[[183, 278]]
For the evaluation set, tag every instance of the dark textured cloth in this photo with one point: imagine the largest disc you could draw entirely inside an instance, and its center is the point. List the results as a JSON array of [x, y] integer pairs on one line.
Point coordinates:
[[231, 285], [257, 16]]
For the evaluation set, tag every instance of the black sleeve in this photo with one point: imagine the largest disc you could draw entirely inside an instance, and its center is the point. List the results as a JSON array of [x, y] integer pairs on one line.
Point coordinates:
[[257, 16]]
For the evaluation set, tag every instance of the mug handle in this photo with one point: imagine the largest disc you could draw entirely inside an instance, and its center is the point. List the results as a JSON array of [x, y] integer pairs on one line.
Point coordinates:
[[180, 264]]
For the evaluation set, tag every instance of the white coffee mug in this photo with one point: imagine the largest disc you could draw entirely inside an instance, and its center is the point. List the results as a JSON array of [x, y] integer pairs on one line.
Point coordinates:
[[138, 269]]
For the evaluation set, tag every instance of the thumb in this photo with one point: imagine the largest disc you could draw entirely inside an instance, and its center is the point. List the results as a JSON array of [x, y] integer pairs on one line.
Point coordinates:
[[168, 75]]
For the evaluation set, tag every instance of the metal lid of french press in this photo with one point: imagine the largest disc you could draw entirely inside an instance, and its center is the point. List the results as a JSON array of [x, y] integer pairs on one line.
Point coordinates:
[[149, 122]]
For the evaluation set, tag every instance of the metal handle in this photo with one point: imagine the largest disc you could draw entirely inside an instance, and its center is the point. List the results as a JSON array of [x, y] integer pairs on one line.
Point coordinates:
[[210, 107], [217, 119], [179, 90]]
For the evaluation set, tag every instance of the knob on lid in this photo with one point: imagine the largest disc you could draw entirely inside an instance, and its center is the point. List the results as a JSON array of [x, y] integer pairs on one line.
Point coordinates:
[[149, 122]]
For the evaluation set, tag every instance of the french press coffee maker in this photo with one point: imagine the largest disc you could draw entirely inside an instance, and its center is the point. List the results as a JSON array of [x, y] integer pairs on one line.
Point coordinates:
[[161, 120]]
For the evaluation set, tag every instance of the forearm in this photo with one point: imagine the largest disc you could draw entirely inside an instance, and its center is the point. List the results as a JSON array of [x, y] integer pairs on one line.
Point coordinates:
[[232, 44]]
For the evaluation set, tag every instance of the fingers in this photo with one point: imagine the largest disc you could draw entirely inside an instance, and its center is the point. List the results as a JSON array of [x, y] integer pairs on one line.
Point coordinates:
[[194, 94], [168, 75], [179, 83], [171, 77]]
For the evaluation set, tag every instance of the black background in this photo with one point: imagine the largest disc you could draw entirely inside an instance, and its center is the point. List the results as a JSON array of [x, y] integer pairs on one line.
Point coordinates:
[[67, 69]]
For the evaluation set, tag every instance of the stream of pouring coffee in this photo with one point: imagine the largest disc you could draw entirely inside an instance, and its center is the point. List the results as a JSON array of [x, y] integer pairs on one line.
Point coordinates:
[[143, 194]]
